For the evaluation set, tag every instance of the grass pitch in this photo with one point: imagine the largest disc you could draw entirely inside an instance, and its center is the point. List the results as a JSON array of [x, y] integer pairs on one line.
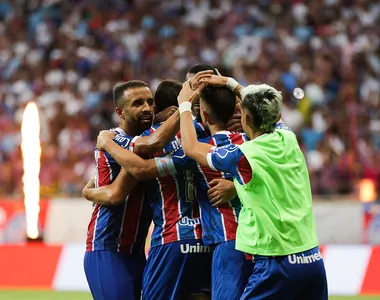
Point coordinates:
[[42, 295], [52, 295]]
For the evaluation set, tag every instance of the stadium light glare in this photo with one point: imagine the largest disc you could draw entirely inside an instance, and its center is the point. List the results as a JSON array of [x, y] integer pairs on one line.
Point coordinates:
[[31, 153]]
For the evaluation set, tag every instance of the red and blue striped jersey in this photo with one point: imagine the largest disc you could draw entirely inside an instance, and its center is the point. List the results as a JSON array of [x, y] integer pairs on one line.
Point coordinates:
[[123, 227], [176, 214], [218, 224]]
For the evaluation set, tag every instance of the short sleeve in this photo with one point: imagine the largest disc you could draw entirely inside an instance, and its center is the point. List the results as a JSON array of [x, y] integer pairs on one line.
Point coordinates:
[[122, 140], [230, 159]]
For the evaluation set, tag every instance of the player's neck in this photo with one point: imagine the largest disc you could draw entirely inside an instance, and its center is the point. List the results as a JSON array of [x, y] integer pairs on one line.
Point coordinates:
[[129, 129], [216, 128]]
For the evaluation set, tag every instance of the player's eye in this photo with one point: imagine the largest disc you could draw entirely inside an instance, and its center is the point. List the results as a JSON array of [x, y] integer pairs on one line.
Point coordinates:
[[138, 103]]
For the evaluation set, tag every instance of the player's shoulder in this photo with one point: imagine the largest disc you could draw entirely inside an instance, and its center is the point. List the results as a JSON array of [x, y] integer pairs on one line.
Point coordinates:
[[282, 126], [226, 149], [151, 129], [122, 138]]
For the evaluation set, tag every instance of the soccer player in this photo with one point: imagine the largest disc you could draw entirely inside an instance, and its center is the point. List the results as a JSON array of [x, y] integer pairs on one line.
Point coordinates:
[[276, 224], [178, 263], [115, 259]]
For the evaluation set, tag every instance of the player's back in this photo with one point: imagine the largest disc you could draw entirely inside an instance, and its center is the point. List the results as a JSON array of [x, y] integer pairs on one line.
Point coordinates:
[[123, 227], [219, 224], [173, 201]]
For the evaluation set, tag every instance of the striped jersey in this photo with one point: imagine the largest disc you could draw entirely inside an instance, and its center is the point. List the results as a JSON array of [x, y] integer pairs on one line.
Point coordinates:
[[219, 224], [176, 214], [123, 227]]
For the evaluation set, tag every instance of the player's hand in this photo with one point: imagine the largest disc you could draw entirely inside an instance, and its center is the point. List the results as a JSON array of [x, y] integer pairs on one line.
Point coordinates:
[[215, 80], [165, 114], [187, 94], [234, 124], [90, 185], [221, 191], [103, 138], [196, 80]]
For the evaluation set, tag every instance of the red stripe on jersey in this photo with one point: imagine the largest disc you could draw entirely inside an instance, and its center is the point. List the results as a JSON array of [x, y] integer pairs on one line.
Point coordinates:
[[171, 213], [131, 219], [104, 177], [91, 228], [236, 138], [196, 214], [244, 170]]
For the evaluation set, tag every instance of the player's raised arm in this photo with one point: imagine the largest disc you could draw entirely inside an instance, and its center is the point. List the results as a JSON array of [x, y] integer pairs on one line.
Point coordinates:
[[192, 148], [147, 145], [112, 194]]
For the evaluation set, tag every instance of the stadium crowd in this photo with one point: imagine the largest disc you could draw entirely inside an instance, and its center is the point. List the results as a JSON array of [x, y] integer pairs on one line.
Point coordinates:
[[67, 55]]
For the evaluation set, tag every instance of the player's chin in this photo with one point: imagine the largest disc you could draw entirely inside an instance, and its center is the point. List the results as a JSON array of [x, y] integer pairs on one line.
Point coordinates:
[[146, 123]]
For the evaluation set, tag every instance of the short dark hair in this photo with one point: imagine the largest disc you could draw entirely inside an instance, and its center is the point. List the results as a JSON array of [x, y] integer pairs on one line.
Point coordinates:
[[166, 94], [264, 104], [119, 89], [222, 102], [201, 67]]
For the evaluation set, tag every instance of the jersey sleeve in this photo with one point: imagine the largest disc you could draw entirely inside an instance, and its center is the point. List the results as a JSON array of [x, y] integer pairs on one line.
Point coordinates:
[[230, 159], [123, 140], [174, 163]]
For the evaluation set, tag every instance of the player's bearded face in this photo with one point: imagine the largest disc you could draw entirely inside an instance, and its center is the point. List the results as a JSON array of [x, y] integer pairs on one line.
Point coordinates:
[[140, 107]]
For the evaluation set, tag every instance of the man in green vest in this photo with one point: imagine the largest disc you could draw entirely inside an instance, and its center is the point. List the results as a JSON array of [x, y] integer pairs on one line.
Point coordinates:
[[276, 224]]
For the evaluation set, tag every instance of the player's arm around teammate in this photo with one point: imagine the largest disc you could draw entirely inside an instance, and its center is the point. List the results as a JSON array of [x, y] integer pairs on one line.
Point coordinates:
[[112, 194]]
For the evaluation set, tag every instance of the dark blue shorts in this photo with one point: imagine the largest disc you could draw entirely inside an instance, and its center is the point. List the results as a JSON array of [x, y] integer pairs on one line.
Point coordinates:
[[230, 272], [176, 270], [112, 275], [298, 276]]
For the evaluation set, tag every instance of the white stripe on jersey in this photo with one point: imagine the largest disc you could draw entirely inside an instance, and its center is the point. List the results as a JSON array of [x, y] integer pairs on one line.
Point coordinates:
[[163, 211], [131, 144]]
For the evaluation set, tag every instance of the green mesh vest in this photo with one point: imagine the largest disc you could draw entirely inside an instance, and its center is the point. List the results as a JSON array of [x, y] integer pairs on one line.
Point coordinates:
[[277, 217]]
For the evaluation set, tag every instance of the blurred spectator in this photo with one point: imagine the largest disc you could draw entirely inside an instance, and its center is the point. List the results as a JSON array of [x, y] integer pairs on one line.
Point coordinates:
[[67, 55]]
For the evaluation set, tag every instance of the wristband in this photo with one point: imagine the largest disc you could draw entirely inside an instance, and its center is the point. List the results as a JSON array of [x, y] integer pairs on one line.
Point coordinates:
[[184, 106], [231, 83]]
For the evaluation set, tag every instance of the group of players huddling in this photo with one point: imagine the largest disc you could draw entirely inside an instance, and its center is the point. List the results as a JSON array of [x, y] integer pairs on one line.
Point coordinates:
[[225, 184]]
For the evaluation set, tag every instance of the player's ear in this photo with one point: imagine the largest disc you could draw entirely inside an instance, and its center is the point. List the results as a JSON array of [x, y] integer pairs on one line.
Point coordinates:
[[206, 116], [120, 113]]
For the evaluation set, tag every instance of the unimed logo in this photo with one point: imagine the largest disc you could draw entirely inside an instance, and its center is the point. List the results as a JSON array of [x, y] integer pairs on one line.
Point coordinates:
[[198, 248], [304, 259], [185, 221]]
